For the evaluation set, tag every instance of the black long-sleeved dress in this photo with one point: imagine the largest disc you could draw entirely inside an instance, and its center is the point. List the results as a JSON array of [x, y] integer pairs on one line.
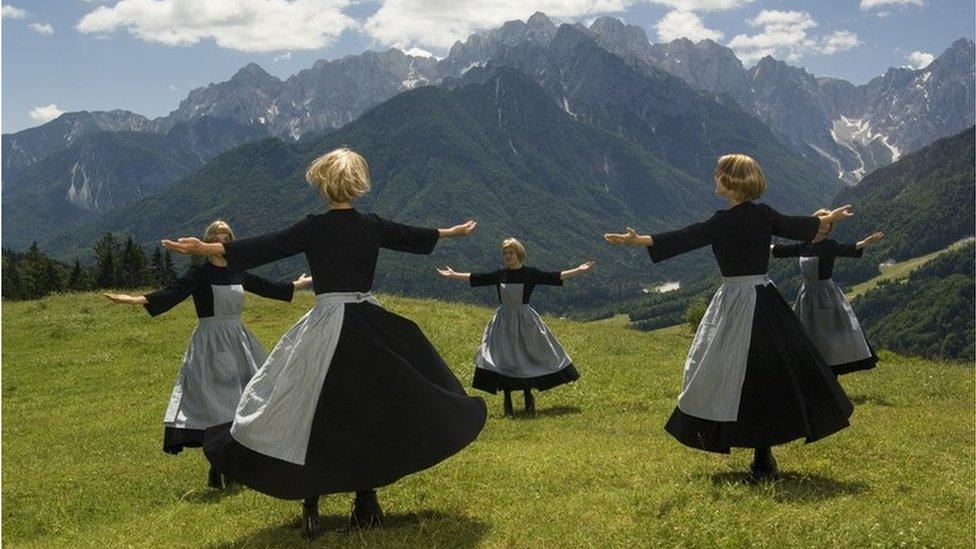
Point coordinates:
[[824, 310], [352, 397], [518, 350], [753, 377], [222, 354]]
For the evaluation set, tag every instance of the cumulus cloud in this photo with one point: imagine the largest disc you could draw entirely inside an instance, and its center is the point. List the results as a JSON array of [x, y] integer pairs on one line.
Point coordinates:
[[703, 5], [440, 23], [46, 113], [867, 5], [839, 41], [684, 24], [282, 57], [10, 12], [243, 25], [42, 28], [787, 34], [919, 59]]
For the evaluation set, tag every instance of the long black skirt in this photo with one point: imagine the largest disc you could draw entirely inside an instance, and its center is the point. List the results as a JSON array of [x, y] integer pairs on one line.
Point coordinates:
[[788, 393], [389, 407], [492, 382], [175, 439]]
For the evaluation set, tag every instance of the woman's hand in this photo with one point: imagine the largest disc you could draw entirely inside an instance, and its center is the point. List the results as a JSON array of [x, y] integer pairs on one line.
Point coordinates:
[[302, 281], [586, 266], [828, 218], [127, 299], [193, 246], [578, 270], [630, 238], [464, 229], [448, 272], [840, 214], [871, 239]]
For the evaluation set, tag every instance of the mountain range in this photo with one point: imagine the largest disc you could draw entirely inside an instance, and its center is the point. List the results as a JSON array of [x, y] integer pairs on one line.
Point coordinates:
[[656, 115]]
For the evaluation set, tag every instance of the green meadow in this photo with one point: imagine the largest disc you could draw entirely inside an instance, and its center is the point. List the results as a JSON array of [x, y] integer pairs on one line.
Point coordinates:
[[85, 383]]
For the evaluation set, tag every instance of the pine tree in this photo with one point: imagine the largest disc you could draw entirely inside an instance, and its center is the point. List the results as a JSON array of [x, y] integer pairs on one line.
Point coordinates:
[[32, 274], [11, 280], [132, 266], [169, 272], [108, 255], [78, 278]]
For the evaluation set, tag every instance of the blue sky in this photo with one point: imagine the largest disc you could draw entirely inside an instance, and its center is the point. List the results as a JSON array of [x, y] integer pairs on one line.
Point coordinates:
[[145, 55]]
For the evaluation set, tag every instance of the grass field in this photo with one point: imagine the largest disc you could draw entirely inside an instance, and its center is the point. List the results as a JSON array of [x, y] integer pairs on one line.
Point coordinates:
[[85, 384]]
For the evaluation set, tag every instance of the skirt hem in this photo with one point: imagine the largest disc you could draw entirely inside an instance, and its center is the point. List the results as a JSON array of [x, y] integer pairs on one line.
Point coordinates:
[[492, 382]]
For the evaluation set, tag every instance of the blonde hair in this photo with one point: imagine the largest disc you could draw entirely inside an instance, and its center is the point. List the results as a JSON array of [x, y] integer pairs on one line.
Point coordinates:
[[515, 245], [740, 175], [341, 175], [218, 226]]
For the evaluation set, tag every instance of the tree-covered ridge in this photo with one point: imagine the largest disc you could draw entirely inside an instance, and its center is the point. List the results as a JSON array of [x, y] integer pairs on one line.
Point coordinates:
[[33, 274], [930, 314], [923, 202]]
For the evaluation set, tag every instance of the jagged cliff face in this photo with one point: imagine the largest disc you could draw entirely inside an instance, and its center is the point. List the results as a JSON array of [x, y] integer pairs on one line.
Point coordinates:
[[851, 130]]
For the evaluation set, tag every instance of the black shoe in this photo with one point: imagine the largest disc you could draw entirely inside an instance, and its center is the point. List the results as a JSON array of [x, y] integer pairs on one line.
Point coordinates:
[[507, 405], [763, 466], [529, 403], [310, 517], [366, 512], [213, 478], [231, 484]]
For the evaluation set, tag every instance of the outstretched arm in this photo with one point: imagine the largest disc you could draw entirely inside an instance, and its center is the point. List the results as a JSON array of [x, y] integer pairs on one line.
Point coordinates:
[[127, 299], [869, 240], [629, 238], [570, 273], [448, 272], [464, 229], [829, 219]]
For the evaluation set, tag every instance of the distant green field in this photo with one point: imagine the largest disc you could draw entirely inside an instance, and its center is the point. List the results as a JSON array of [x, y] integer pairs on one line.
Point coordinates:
[[901, 270], [85, 384]]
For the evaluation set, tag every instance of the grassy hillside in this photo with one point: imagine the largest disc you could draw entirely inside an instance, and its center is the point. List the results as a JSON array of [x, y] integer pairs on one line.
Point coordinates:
[[85, 384], [901, 269]]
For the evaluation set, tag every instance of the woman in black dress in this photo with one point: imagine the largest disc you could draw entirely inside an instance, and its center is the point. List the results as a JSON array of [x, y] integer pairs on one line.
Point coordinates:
[[822, 307], [518, 351], [353, 397], [753, 378], [222, 354]]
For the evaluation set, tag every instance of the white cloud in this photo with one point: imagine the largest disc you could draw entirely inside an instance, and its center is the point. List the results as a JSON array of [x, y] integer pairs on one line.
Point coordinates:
[[867, 5], [282, 57], [243, 25], [839, 41], [439, 23], [684, 24], [919, 59], [46, 113], [786, 34], [10, 12], [174, 87], [42, 28], [703, 5]]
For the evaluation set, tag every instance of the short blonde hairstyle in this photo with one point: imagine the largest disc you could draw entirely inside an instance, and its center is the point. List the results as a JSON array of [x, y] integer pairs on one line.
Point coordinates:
[[215, 228], [341, 175], [515, 245], [741, 175]]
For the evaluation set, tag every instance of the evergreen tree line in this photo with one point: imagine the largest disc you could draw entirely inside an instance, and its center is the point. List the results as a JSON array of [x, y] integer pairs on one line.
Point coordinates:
[[118, 264]]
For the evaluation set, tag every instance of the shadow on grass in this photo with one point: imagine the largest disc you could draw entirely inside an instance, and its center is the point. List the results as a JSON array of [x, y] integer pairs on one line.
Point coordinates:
[[870, 399], [793, 487], [422, 529]]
